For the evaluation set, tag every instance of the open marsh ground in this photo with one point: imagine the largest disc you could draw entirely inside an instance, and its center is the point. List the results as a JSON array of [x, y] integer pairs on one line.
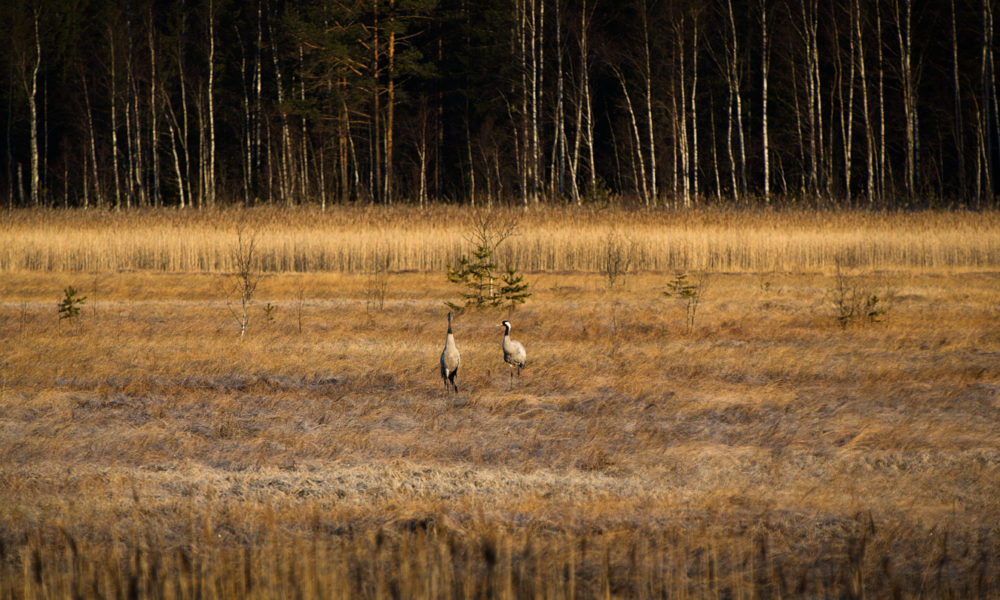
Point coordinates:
[[763, 451]]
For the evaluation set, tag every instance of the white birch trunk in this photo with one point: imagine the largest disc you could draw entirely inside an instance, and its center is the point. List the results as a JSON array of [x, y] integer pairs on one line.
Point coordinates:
[[641, 176], [904, 38], [33, 115], [881, 103], [737, 93], [154, 132], [680, 119], [694, 109], [765, 70], [98, 188], [114, 122], [210, 174], [959, 134], [869, 133], [653, 192], [588, 105]]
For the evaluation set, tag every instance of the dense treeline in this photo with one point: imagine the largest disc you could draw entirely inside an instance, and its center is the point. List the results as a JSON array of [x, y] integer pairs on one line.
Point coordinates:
[[194, 103]]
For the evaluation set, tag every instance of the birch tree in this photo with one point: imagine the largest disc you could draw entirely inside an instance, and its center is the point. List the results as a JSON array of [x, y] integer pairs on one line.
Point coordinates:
[[902, 10], [765, 61]]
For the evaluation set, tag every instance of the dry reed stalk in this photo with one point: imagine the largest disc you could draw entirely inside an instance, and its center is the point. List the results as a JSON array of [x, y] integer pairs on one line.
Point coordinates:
[[354, 240]]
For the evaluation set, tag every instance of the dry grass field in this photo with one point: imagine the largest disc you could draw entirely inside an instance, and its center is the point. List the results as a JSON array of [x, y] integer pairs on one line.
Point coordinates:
[[766, 451]]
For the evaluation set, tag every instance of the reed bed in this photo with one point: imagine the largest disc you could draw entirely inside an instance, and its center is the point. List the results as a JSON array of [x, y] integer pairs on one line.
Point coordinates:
[[354, 239]]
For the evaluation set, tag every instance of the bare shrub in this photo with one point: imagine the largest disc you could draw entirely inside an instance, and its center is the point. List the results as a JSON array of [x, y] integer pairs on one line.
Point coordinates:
[[377, 284], [619, 258], [246, 276], [688, 294], [855, 299]]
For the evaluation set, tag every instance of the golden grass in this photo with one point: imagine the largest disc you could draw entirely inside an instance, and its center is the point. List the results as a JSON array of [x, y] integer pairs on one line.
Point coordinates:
[[146, 451], [351, 239]]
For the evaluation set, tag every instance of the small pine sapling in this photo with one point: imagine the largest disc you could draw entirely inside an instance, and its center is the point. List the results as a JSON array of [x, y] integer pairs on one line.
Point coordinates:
[[477, 276], [688, 294], [514, 290], [854, 300], [269, 313], [69, 306], [873, 310]]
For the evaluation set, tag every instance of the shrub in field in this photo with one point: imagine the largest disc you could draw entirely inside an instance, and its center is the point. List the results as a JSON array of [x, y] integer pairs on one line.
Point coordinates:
[[514, 290], [478, 275], [246, 277], [688, 294], [377, 285], [855, 301], [69, 306], [269, 313], [619, 258]]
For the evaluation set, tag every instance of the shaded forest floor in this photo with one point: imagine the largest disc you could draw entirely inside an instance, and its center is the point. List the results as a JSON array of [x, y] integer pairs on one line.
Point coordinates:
[[147, 450]]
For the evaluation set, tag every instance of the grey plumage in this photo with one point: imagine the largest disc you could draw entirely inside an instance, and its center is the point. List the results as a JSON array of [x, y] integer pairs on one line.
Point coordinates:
[[450, 358], [513, 352]]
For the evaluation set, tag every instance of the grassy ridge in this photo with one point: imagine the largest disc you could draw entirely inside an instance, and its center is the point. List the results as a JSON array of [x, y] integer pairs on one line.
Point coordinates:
[[147, 451], [351, 240]]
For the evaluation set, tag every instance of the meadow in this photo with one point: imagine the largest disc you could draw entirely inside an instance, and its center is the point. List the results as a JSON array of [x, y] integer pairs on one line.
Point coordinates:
[[770, 446]]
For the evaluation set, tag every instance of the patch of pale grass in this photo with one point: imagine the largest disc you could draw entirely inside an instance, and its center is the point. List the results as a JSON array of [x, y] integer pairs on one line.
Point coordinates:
[[355, 239]]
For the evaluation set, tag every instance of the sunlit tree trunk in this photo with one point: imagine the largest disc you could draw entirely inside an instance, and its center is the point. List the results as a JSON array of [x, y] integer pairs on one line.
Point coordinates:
[[642, 185], [846, 105], [92, 139], [256, 134], [863, 79], [653, 192], [247, 128], [154, 134], [581, 101], [304, 180], [810, 18], [177, 165], [286, 190], [114, 121], [472, 165], [588, 104], [423, 117], [131, 113], [765, 49], [799, 133], [958, 127], [989, 123], [694, 108], [681, 150], [715, 149], [904, 37], [210, 175], [558, 166], [390, 108], [375, 171], [524, 162], [33, 113], [881, 104], [737, 95], [184, 133], [535, 27]]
